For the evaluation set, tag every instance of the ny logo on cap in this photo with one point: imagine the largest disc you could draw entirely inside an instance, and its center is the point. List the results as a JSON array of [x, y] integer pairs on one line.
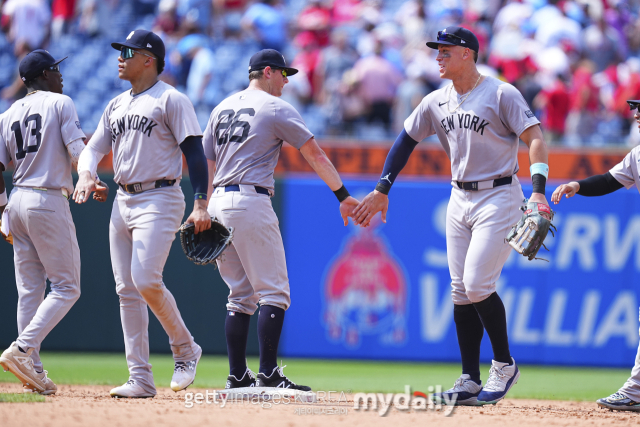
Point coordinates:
[[130, 35], [148, 45], [285, 61]]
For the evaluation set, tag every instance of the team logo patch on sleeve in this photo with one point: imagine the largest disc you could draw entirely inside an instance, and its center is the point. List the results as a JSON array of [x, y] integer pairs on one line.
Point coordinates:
[[529, 113], [78, 124]]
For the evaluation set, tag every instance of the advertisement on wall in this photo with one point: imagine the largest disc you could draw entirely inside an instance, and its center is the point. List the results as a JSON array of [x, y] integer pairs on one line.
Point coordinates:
[[383, 292]]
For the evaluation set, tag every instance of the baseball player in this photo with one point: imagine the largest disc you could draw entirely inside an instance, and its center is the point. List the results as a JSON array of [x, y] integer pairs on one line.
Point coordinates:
[[242, 142], [478, 120], [148, 128], [624, 174], [41, 134]]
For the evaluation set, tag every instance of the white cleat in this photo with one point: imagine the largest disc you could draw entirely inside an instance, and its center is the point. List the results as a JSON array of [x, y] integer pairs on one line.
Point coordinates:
[[20, 364], [501, 378], [464, 392], [184, 373], [131, 389]]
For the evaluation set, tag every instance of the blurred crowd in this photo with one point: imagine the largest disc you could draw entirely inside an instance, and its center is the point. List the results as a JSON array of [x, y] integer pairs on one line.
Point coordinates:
[[364, 65]]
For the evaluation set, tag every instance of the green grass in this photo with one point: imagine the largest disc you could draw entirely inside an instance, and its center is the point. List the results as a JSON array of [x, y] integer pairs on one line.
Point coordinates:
[[558, 383], [20, 397]]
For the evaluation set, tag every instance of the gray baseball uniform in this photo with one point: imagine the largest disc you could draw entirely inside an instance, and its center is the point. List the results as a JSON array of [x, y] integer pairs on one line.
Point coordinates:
[[481, 140], [626, 173], [144, 131], [35, 133], [244, 137]]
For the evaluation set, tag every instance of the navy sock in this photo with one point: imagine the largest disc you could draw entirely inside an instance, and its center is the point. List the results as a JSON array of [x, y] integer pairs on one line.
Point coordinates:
[[270, 321], [470, 331], [494, 319], [236, 329]]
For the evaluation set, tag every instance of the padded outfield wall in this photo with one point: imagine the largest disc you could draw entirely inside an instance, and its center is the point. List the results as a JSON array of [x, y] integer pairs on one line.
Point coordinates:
[[383, 292]]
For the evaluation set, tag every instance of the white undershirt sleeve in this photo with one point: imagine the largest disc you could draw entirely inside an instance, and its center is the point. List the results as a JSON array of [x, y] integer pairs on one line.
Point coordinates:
[[89, 159]]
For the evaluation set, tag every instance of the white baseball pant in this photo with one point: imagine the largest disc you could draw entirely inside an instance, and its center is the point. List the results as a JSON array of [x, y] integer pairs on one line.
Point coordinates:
[[477, 224], [44, 246], [141, 231], [253, 266]]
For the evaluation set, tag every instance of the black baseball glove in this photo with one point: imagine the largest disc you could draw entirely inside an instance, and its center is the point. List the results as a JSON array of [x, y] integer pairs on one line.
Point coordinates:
[[205, 247], [528, 235]]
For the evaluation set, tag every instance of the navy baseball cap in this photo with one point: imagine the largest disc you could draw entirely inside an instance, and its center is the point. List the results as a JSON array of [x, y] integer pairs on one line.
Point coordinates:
[[456, 36], [35, 63], [270, 58], [143, 39]]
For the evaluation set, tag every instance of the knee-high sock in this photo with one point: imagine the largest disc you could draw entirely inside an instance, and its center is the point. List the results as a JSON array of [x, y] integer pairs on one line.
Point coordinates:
[[470, 331], [494, 319], [270, 321], [236, 328]]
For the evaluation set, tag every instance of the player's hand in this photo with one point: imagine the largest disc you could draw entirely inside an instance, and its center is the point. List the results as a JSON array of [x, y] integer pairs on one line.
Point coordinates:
[[200, 217], [540, 198], [346, 209], [372, 204], [101, 193], [86, 184], [569, 189]]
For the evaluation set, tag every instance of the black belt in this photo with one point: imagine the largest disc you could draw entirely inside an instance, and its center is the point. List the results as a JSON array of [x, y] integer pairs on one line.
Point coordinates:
[[259, 190], [473, 186], [144, 186]]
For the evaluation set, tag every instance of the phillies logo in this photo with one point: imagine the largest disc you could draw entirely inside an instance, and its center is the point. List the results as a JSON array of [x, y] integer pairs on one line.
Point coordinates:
[[365, 293]]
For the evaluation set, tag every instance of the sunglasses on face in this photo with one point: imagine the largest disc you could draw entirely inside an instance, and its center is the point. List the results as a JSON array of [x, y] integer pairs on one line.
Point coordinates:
[[127, 52], [284, 73], [451, 38], [55, 68]]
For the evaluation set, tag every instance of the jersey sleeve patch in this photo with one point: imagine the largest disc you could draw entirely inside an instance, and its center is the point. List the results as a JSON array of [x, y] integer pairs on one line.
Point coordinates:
[[529, 114]]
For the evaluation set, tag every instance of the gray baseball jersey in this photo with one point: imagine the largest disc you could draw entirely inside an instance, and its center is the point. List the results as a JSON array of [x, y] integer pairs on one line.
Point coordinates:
[[480, 137], [626, 172], [145, 132], [35, 132], [244, 136]]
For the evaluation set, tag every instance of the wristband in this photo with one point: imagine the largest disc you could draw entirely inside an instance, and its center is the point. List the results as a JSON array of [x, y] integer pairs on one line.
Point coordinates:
[[383, 188], [539, 182], [341, 193], [3, 198], [199, 196], [539, 168]]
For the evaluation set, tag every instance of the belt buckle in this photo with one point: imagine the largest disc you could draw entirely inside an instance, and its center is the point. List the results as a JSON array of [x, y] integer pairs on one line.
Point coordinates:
[[137, 188]]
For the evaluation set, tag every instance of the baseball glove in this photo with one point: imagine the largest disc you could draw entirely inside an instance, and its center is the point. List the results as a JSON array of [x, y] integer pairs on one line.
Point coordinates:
[[6, 237], [205, 247], [528, 235]]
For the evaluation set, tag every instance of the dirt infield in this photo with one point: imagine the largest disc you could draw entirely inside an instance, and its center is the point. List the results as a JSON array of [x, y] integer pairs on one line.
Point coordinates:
[[92, 406]]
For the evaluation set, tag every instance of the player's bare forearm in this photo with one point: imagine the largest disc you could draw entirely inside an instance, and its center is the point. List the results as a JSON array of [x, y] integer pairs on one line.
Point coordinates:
[[320, 163], [200, 217], [372, 204], [538, 151], [85, 186]]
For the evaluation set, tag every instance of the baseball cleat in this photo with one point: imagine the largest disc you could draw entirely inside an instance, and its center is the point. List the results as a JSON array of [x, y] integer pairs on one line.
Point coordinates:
[[131, 389], [247, 380], [50, 387], [619, 402], [277, 379], [20, 364], [501, 378], [464, 392], [184, 373]]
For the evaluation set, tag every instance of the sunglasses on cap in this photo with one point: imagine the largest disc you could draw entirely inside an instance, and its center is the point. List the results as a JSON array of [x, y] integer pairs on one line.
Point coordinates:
[[127, 52], [446, 37]]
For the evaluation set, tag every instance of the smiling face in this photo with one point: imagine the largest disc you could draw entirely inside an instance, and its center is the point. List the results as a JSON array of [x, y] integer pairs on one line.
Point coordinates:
[[451, 60]]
